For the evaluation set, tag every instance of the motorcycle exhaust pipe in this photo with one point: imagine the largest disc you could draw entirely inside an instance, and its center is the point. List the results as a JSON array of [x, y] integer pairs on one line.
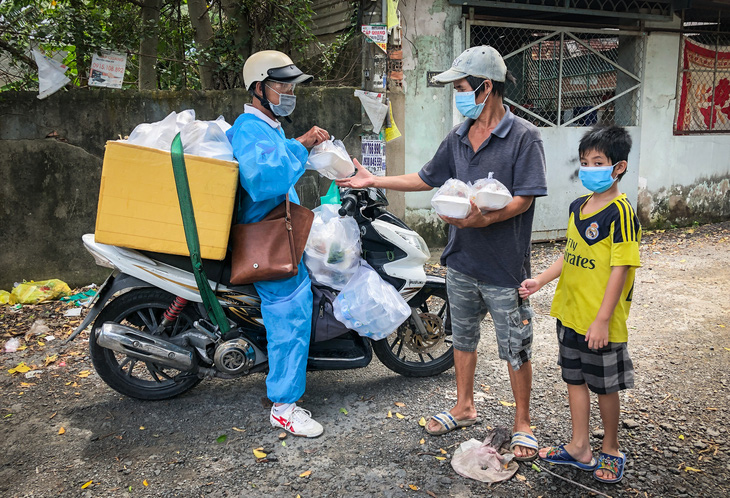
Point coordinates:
[[144, 346]]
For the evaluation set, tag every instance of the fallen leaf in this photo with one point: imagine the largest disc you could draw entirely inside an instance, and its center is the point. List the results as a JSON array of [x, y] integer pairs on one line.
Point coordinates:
[[422, 441], [8, 415], [306, 473], [343, 411], [520, 477], [239, 430], [712, 409], [399, 404], [282, 435], [389, 415], [507, 403], [62, 431], [50, 359], [536, 468], [399, 415], [258, 453], [431, 494], [413, 487], [283, 443], [681, 436], [443, 451], [440, 458], [21, 368], [221, 439], [141, 427], [692, 469], [145, 482], [84, 373], [88, 484], [422, 422], [26, 384]]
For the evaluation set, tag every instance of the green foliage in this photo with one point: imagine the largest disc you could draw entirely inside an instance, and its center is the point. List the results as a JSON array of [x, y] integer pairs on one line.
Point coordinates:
[[72, 30]]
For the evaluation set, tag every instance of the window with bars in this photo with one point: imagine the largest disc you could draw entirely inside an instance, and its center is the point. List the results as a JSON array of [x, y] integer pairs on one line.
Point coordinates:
[[703, 103], [568, 77]]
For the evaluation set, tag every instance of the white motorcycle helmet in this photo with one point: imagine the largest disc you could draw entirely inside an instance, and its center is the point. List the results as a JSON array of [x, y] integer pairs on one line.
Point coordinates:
[[272, 65]]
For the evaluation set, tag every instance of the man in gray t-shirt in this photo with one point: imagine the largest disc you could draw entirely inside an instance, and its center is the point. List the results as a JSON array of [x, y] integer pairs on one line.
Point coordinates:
[[488, 254]]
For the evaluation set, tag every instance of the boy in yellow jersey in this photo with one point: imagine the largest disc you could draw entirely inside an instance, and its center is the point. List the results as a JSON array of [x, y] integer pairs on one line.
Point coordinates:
[[592, 302]]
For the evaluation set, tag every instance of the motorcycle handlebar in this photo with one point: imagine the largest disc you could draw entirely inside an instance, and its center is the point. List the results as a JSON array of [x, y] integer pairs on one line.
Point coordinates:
[[349, 203]]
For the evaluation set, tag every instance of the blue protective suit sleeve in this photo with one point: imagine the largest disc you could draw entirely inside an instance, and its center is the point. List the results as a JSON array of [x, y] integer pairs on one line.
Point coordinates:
[[269, 164]]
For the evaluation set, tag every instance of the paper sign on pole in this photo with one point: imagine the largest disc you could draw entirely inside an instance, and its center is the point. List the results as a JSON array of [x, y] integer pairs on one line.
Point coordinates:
[[392, 14], [107, 69], [377, 34], [373, 154], [51, 75], [391, 132], [374, 107]]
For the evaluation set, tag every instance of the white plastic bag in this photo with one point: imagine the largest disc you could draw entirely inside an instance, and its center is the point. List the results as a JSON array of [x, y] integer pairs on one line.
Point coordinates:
[[332, 254], [51, 75], [157, 135], [331, 160], [370, 306], [490, 194], [452, 199]]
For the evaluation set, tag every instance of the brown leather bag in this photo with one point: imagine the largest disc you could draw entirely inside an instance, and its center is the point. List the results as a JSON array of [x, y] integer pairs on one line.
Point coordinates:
[[271, 248]]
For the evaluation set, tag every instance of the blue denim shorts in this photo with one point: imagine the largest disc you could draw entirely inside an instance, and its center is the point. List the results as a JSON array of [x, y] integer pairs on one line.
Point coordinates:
[[470, 300]]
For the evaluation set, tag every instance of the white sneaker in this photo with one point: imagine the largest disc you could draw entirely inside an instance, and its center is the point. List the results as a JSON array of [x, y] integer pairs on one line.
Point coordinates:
[[297, 421]]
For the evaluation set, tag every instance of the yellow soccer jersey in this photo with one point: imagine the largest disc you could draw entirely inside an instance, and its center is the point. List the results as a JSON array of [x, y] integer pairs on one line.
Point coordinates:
[[596, 242]]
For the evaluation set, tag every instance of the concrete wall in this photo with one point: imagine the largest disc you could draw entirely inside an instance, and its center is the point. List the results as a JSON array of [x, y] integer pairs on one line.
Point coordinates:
[[49, 186], [682, 178]]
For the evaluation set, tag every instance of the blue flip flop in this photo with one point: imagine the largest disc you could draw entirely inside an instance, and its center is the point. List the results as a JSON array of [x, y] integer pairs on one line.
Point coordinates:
[[559, 456], [613, 464]]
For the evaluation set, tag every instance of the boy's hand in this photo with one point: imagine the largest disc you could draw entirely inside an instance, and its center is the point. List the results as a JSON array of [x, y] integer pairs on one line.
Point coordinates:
[[597, 334], [528, 287]]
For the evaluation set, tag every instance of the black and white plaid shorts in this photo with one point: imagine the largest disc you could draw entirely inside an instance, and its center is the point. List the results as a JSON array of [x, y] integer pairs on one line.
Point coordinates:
[[605, 370]]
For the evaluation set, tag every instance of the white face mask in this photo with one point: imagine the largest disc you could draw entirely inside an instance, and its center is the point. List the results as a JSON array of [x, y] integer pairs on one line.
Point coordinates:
[[286, 104]]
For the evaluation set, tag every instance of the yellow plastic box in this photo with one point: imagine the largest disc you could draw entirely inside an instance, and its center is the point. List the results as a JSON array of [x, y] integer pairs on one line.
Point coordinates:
[[139, 208]]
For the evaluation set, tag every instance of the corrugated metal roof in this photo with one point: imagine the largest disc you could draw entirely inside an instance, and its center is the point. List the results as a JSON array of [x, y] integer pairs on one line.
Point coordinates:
[[331, 16]]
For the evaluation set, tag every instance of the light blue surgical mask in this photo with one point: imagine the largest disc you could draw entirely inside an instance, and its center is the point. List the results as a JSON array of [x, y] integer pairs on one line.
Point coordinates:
[[286, 104], [597, 178], [467, 105]]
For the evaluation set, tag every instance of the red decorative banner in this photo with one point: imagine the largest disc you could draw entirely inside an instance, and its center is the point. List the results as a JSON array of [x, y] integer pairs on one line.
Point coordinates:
[[704, 100]]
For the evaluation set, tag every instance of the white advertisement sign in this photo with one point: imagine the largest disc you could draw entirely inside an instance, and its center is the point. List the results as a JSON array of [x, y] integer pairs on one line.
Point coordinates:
[[107, 69], [373, 154]]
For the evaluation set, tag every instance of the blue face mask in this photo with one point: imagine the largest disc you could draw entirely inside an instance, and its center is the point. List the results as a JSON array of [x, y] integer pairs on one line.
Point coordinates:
[[286, 104], [597, 178], [467, 105]]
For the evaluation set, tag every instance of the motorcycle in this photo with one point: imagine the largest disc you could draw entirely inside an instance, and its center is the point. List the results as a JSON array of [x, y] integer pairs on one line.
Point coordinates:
[[151, 337]]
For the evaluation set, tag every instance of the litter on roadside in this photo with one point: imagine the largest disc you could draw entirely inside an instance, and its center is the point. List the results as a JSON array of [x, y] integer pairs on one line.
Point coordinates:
[[488, 461]]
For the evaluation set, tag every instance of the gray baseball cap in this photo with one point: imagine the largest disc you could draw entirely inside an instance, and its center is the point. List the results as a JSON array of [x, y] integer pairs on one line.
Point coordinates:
[[483, 62]]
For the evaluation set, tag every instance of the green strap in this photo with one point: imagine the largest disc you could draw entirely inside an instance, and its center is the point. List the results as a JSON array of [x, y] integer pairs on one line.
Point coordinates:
[[212, 306]]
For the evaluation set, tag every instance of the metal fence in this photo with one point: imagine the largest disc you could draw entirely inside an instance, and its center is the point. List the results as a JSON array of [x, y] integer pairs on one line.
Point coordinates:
[[568, 77], [703, 103]]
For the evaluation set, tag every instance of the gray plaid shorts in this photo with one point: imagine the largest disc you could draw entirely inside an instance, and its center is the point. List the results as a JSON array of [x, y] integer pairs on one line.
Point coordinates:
[[470, 300], [604, 370]]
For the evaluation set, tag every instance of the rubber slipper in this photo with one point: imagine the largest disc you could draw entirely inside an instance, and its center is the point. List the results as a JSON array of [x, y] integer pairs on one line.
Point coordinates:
[[525, 440], [558, 455], [448, 423], [613, 464]]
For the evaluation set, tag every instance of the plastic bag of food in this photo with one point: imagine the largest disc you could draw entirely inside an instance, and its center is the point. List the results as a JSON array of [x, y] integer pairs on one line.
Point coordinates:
[[207, 139], [37, 292], [490, 194], [332, 254], [156, 135], [452, 199], [331, 160], [370, 306]]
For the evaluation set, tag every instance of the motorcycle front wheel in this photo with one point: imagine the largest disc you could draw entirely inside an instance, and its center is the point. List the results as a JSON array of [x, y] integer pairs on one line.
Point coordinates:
[[141, 309], [411, 354]]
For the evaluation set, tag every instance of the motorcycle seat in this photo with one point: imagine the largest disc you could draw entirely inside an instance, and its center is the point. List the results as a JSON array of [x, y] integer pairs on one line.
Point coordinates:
[[217, 271]]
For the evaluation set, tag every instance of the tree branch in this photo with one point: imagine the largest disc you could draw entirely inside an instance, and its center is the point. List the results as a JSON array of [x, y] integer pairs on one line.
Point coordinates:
[[16, 53]]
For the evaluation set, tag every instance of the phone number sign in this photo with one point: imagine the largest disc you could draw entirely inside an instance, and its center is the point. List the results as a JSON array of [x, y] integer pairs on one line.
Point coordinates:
[[107, 69]]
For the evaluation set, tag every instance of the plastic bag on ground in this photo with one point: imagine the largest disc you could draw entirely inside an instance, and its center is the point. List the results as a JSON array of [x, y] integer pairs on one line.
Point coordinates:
[[332, 253], [452, 199], [4, 297], [490, 194], [37, 292], [370, 306], [331, 160], [487, 461]]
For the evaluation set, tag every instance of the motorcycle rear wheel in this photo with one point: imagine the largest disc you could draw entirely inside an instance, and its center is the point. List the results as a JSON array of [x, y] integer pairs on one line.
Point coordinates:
[[411, 355], [141, 309]]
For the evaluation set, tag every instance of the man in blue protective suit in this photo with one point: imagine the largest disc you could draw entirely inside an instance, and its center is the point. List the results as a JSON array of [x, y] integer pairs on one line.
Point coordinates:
[[270, 165]]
